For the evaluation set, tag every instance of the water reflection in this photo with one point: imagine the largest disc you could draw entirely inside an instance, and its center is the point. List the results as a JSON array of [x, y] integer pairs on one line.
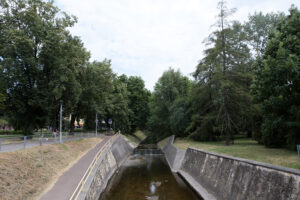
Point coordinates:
[[147, 178]]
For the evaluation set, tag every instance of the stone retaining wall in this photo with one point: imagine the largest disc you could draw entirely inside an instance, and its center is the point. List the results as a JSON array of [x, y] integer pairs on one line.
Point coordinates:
[[216, 176], [111, 159]]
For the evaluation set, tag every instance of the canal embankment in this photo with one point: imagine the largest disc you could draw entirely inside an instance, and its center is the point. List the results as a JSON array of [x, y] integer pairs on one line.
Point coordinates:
[[216, 176], [107, 165], [27, 173], [147, 175]]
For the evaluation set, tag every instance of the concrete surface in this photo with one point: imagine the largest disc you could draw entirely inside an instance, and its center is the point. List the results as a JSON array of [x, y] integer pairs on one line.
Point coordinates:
[[110, 161], [216, 176], [67, 183]]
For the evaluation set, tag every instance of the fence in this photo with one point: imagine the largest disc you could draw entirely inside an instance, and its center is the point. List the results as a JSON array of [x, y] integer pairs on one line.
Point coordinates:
[[11, 143]]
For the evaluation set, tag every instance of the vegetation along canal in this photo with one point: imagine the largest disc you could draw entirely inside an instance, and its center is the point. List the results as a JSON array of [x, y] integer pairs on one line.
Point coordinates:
[[147, 177]]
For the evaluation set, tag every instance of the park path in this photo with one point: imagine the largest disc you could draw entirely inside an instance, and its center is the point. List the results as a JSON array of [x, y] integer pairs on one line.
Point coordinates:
[[67, 183]]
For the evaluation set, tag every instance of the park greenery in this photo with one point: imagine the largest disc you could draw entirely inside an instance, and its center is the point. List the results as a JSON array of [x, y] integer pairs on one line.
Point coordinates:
[[247, 82], [42, 64]]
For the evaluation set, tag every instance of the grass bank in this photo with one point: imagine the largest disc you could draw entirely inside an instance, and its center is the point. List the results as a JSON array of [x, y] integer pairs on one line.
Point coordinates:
[[140, 134], [25, 174], [248, 149], [136, 137], [161, 143]]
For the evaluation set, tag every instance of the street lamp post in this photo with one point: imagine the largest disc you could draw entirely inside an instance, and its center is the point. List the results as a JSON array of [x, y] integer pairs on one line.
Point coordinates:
[[96, 123], [60, 121]]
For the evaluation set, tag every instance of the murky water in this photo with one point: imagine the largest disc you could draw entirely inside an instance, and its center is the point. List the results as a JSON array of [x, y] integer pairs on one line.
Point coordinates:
[[147, 178]]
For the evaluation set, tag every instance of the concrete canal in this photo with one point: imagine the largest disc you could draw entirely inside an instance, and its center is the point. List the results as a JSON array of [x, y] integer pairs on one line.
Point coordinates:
[[157, 174], [147, 176]]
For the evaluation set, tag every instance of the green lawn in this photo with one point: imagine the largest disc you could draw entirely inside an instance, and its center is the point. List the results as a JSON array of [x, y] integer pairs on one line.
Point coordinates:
[[139, 136], [161, 143], [132, 139], [248, 149]]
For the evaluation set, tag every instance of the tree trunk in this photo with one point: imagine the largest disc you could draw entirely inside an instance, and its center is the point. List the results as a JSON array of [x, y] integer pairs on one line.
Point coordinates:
[[227, 138], [72, 126]]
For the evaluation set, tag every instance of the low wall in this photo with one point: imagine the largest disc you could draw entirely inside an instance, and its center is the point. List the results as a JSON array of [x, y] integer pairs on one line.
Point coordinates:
[[216, 176], [111, 159]]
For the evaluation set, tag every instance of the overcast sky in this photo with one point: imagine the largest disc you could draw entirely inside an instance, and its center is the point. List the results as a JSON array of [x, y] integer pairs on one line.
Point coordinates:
[[146, 37]]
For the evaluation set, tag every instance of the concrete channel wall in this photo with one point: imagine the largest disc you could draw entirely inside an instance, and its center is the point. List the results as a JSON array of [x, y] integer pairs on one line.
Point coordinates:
[[216, 176], [112, 158]]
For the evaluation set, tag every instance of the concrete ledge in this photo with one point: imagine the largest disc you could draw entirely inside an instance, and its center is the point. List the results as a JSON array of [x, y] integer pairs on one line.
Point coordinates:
[[196, 186]]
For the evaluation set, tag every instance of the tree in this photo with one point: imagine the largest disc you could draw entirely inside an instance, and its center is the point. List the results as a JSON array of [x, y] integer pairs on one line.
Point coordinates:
[[138, 97], [277, 84], [171, 86], [258, 27], [117, 108], [222, 90], [40, 61], [180, 115], [96, 82]]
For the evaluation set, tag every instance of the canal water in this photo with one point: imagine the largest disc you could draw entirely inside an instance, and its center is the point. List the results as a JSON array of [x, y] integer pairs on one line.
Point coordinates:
[[147, 177]]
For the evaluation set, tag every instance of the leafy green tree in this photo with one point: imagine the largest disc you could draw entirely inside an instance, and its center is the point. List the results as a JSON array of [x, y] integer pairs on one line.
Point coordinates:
[[40, 60], [180, 115], [171, 86], [2, 93], [117, 108], [277, 84], [63, 80], [96, 82], [138, 97], [258, 27]]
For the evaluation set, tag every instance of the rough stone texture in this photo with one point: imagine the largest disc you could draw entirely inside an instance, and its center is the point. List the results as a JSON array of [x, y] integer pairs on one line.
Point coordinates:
[[216, 176], [231, 178], [111, 159], [105, 170]]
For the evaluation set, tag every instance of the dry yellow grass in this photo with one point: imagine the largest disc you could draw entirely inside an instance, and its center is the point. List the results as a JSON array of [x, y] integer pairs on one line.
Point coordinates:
[[25, 174]]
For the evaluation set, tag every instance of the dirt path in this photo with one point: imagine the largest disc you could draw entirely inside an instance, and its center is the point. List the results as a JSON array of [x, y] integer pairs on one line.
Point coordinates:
[[67, 183]]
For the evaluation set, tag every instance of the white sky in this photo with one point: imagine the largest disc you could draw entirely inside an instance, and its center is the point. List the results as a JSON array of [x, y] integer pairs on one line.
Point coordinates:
[[146, 37]]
